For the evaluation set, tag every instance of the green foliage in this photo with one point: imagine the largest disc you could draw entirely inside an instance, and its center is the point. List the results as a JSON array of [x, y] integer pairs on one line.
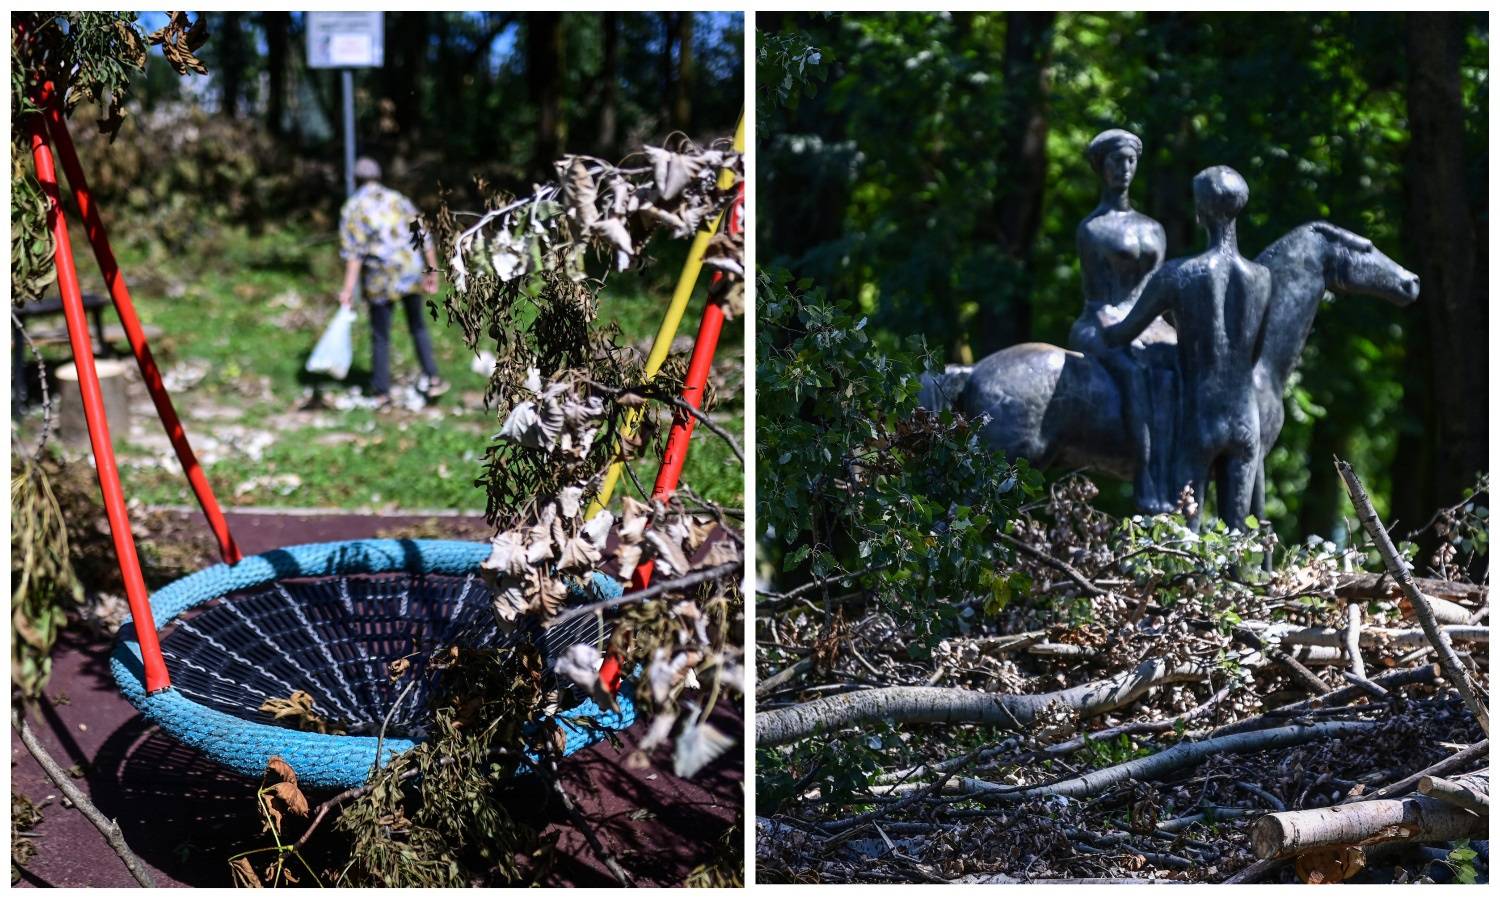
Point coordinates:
[[854, 476], [1461, 861], [447, 825], [177, 178], [839, 769], [787, 67]]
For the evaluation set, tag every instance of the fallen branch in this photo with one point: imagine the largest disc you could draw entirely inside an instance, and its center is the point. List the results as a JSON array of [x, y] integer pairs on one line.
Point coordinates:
[[1453, 670], [1179, 757], [1398, 639], [1407, 820], [933, 704], [107, 827], [1073, 574], [1371, 586], [1458, 760], [1470, 792], [1300, 673]]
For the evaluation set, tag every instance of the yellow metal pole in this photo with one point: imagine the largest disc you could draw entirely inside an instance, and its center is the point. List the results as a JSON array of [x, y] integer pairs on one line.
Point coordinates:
[[669, 324]]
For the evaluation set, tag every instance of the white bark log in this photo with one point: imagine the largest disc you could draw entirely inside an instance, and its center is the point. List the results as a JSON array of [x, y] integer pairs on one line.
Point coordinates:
[[1407, 820]]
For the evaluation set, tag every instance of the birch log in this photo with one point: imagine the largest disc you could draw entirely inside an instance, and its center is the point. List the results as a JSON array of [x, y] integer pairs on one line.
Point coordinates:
[[1406, 820], [1471, 792]]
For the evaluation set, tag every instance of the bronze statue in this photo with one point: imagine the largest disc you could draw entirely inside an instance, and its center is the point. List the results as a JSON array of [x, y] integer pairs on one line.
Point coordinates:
[[1218, 300], [1063, 408]]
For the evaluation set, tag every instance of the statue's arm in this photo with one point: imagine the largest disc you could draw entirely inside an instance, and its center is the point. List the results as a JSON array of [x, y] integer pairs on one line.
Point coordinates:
[[1156, 298]]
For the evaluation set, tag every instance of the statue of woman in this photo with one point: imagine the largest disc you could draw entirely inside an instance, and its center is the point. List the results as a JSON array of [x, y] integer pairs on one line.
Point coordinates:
[[1118, 250]]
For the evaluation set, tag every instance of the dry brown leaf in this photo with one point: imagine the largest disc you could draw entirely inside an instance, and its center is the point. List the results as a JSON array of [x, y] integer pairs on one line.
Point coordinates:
[[290, 796], [580, 193], [278, 767], [243, 873]]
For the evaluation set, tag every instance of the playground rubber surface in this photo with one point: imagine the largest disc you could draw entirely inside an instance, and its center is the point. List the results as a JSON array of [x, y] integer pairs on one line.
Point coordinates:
[[185, 817]]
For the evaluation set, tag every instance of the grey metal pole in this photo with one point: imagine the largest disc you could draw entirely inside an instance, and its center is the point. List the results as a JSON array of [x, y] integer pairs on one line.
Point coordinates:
[[348, 131], [348, 80]]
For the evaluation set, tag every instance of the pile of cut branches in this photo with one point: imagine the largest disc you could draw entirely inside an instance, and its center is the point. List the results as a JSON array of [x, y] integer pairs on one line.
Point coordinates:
[[1147, 704]]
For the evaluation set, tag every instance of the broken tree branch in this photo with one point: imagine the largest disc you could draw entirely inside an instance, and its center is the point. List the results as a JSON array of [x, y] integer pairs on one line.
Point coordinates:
[[933, 704], [1458, 760], [1453, 669], [1471, 792], [1179, 757]]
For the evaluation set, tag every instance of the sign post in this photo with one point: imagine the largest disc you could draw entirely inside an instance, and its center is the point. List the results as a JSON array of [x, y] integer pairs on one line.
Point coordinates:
[[347, 41]]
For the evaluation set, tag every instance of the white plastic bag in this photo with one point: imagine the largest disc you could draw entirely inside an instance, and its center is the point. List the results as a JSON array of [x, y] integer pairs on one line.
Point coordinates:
[[334, 353]]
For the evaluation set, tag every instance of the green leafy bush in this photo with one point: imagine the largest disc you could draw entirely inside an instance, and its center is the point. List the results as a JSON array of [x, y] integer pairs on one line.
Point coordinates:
[[855, 477]]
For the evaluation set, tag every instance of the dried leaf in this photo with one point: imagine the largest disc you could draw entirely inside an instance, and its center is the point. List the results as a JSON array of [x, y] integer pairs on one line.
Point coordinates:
[[243, 873], [290, 796], [667, 551], [279, 769], [580, 193], [697, 746]]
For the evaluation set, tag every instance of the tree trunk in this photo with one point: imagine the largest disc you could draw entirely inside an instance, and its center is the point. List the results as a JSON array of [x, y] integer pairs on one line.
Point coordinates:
[[232, 63], [277, 26], [405, 64], [668, 33], [609, 87], [682, 86], [1023, 147], [1440, 226], [544, 57]]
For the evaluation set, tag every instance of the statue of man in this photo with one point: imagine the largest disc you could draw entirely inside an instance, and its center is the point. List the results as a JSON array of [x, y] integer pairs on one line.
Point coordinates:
[[1219, 301]]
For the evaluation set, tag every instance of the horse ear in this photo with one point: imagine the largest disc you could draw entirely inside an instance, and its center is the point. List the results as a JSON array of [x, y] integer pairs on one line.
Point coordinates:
[[1344, 236]]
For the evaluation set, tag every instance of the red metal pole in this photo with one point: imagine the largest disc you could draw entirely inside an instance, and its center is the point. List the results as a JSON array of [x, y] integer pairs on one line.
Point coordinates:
[[683, 422], [93, 226], [93, 408], [693, 386]]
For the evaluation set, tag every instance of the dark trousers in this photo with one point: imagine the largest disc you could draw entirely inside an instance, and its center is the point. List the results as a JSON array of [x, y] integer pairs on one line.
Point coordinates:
[[380, 322]]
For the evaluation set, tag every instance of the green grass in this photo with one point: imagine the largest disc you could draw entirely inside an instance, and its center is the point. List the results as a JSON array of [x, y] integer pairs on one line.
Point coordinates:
[[218, 306]]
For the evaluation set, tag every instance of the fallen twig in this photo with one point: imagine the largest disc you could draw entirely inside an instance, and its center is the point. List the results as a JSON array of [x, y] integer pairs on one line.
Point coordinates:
[[1076, 576], [1462, 758], [107, 827]]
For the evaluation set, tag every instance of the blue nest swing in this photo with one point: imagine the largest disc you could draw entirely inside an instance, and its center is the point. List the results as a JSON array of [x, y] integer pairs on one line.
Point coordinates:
[[327, 619]]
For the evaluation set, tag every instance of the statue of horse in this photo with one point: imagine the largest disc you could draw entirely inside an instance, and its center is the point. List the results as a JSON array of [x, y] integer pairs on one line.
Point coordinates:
[[1060, 408]]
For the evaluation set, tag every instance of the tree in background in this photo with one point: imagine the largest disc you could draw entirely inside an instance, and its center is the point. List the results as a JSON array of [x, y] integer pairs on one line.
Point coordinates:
[[936, 177]]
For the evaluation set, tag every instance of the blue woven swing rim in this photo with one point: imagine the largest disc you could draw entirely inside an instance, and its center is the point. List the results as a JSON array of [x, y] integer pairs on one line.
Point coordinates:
[[320, 760]]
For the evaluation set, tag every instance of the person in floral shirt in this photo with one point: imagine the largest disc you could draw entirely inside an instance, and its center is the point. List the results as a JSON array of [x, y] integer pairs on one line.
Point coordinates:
[[375, 240]]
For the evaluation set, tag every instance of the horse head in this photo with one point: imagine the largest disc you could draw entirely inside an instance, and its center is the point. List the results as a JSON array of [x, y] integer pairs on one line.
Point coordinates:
[[1354, 265]]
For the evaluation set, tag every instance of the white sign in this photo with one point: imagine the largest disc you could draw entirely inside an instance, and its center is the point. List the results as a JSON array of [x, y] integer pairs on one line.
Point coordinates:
[[345, 40]]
